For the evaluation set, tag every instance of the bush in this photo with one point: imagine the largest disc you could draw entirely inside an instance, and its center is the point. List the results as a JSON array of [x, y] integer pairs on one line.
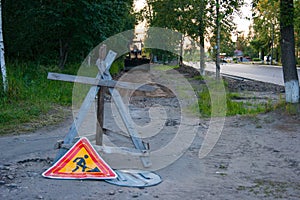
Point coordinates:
[[256, 60], [117, 66]]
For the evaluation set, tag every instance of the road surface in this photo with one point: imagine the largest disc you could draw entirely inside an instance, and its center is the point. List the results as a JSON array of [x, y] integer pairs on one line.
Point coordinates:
[[265, 73], [256, 157]]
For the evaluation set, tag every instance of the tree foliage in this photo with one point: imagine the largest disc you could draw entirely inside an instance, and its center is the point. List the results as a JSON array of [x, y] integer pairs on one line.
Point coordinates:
[[51, 31], [266, 26], [266, 13], [193, 17]]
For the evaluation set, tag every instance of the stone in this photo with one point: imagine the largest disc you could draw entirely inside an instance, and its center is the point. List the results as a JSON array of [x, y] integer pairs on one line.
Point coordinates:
[[10, 177], [12, 185], [135, 195], [120, 191]]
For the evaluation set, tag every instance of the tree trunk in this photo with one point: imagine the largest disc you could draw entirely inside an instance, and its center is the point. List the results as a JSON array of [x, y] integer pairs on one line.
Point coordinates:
[[202, 60], [262, 55], [63, 53], [202, 39], [3, 67], [288, 51], [181, 51], [218, 40]]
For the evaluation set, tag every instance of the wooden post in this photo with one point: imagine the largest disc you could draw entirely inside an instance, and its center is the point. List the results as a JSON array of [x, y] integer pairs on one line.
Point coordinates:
[[100, 100], [100, 116]]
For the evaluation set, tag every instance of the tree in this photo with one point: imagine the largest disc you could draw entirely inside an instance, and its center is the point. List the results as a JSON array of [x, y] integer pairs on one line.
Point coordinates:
[[202, 26], [288, 51], [297, 29], [55, 31], [246, 45], [193, 18], [218, 39], [2, 60], [266, 27], [216, 16]]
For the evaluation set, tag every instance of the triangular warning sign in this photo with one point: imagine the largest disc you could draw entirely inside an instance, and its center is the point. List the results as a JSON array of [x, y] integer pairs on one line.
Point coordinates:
[[80, 162]]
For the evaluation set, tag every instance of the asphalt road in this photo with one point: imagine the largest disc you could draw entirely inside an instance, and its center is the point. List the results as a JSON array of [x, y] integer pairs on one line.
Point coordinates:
[[265, 73]]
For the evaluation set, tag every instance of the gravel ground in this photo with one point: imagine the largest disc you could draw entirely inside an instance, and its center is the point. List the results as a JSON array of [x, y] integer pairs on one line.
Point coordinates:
[[256, 157]]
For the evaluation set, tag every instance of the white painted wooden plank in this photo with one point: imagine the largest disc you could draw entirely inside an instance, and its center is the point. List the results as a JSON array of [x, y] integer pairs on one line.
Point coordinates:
[[99, 82]]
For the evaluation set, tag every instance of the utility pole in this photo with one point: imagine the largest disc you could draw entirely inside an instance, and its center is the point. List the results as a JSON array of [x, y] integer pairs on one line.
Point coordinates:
[[218, 40], [272, 46]]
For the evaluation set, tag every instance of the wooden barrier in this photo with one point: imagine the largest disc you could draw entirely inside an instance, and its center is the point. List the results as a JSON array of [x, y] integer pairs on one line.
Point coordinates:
[[99, 86]]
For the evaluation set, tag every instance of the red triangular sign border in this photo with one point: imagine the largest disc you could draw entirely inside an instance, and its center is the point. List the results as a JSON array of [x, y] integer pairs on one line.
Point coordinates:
[[106, 171]]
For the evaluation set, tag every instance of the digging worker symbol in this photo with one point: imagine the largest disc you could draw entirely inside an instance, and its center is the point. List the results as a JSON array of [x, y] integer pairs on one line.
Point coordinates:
[[80, 163]]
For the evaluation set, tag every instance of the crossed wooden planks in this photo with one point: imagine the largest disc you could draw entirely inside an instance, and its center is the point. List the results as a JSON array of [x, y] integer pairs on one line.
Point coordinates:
[[103, 79]]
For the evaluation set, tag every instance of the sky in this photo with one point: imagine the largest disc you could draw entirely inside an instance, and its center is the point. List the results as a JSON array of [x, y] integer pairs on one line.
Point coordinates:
[[243, 23], [139, 4]]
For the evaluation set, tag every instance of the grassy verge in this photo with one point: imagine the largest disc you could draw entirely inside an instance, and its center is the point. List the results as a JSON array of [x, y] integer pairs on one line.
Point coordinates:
[[165, 67], [233, 107], [227, 103], [33, 101]]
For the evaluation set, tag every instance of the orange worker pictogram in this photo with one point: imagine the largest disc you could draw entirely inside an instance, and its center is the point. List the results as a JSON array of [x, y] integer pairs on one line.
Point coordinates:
[[81, 162]]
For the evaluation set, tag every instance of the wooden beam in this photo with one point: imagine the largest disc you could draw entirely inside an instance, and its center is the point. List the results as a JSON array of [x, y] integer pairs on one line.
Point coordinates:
[[100, 82]]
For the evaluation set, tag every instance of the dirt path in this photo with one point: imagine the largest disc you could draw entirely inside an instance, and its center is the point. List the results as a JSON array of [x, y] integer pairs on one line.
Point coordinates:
[[256, 157]]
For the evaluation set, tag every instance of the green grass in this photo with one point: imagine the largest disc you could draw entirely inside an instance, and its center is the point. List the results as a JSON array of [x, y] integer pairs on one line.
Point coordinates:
[[231, 106], [117, 66], [256, 60], [31, 97], [271, 189], [198, 78], [165, 67], [33, 101]]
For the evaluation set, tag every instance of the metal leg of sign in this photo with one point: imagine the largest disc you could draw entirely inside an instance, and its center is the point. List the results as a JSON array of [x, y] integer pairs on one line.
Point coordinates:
[[138, 143], [78, 120]]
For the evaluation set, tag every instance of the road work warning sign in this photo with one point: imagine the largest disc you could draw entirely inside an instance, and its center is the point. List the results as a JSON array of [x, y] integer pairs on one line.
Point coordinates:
[[81, 162]]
